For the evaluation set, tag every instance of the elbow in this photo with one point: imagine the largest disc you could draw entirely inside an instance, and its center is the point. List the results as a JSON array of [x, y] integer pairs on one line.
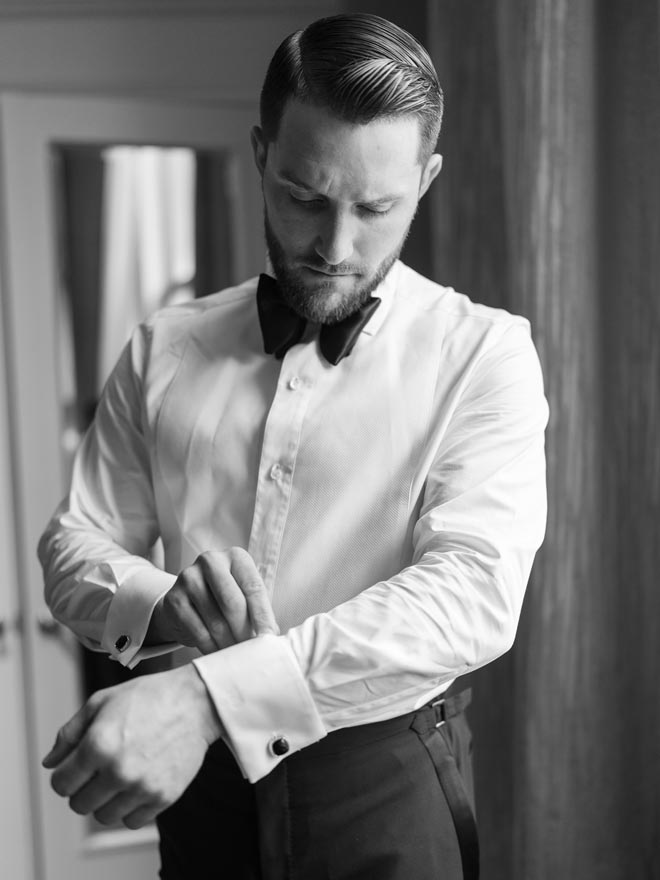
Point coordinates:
[[487, 610], [496, 631]]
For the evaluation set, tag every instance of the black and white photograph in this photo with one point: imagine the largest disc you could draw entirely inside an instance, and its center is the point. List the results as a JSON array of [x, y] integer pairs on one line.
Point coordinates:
[[330, 440]]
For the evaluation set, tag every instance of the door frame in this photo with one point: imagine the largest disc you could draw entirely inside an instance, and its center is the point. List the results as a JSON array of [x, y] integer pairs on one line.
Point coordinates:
[[17, 856]]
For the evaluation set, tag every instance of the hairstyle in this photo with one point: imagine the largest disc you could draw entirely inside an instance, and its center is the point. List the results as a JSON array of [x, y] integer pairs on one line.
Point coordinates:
[[361, 67]]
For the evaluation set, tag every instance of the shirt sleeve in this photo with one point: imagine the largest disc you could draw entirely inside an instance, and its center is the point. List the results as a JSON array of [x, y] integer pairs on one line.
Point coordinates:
[[94, 552], [454, 609]]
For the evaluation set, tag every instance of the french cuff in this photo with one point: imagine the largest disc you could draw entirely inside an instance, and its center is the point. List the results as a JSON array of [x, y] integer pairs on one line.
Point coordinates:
[[263, 702], [129, 615]]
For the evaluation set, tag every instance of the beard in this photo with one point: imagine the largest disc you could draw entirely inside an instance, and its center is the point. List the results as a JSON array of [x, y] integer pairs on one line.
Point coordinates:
[[313, 302]]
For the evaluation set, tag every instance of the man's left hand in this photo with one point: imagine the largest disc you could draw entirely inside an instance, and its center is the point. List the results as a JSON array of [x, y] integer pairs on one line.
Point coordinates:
[[133, 749]]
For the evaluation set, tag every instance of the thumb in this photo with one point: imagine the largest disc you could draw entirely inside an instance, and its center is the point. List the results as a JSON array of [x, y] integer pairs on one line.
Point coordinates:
[[68, 736]]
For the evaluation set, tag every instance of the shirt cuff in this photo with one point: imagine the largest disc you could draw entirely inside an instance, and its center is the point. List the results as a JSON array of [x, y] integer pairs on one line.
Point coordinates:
[[129, 615], [263, 702]]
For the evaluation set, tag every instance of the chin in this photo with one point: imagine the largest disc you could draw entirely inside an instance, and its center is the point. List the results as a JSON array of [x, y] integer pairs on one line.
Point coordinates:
[[329, 305]]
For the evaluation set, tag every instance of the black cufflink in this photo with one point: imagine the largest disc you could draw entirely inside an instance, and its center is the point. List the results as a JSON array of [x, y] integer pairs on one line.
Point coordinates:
[[122, 643], [278, 746]]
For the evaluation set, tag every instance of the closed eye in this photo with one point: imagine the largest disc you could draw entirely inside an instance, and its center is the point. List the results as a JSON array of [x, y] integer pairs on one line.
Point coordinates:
[[307, 200], [375, 210], [316, 202]]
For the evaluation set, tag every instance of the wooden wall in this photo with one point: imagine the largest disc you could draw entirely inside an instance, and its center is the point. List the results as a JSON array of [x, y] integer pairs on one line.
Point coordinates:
[[550, 206], [629, 290]]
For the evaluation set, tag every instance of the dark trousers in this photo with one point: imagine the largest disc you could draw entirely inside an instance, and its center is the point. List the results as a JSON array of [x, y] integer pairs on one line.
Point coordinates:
[[364, 803]]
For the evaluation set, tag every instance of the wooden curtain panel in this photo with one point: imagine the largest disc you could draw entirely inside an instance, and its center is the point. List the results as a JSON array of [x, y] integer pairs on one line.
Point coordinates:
[[629, 225], [550, 206], [472, 255]]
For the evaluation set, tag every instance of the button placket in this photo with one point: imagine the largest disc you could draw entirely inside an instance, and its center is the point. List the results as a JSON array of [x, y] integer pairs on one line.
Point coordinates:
[[278, 458]]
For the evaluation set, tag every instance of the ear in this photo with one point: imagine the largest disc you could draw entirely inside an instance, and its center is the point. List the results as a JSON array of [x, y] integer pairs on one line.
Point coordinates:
[[430, 172], [259, 148]]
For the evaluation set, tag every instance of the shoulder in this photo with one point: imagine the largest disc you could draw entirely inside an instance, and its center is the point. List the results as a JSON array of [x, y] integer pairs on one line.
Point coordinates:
[[437, 302], [482, 354], [199, 312], [173, 328], [461, 331]]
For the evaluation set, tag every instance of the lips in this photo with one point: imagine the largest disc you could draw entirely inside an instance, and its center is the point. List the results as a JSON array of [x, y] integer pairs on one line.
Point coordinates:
[[329, 274]]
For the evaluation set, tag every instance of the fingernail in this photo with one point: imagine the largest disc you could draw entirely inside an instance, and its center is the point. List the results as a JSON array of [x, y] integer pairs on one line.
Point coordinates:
[[49, 756]]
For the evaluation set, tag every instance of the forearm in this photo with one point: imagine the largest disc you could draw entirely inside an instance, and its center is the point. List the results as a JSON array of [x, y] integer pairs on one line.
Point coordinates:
[[382, 654], [389, 649], [97, 588], [98, 579]]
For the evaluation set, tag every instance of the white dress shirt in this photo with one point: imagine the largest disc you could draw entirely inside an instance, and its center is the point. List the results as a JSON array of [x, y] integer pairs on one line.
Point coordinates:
[[392, 503]]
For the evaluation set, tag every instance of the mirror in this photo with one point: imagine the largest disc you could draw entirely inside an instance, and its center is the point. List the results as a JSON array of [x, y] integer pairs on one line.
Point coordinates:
[[139, 227]]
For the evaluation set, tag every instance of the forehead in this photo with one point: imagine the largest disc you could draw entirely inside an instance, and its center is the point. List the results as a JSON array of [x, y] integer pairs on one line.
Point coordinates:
[[331, 155]]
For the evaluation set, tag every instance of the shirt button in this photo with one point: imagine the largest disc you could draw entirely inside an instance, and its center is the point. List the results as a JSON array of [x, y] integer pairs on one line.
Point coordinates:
[[295, 382], [276, 472], [278, 746], [122, 643]]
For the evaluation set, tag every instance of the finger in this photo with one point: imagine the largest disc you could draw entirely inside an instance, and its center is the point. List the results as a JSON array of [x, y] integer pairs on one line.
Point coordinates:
[[247, 576], [75, 770], [123, 804], [182, 618], [96, 752], [214, 619], [69, 735], [227, 608], [142, 816], [99, 790]]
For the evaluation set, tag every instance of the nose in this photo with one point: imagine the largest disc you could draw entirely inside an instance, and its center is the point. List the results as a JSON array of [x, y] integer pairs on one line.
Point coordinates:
[[335, 240]]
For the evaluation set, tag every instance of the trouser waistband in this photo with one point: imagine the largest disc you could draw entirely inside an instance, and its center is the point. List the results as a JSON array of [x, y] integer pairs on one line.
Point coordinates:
[[437, 711]]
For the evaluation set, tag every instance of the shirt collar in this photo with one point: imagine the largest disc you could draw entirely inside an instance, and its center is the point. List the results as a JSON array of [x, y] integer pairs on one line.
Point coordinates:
[[385, 292]]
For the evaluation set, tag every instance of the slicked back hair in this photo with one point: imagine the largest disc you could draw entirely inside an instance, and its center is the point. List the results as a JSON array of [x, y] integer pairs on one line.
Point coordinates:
[[361, 68]]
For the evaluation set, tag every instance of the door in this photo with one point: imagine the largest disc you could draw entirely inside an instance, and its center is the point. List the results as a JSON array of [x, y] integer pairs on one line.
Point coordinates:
[[39, 136]]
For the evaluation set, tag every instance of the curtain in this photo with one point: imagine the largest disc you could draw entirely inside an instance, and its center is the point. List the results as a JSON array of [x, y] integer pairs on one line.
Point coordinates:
[[148, 240], [549, 205]]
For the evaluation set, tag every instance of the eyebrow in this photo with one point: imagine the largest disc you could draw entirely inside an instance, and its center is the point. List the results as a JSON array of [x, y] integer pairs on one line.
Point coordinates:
[[290, 177]]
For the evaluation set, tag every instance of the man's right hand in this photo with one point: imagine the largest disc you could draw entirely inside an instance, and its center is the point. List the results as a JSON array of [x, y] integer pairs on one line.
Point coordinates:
[[217, 601]]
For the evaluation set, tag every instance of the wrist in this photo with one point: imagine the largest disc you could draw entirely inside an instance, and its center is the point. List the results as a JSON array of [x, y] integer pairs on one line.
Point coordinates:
[[155, 634], [210, 725]]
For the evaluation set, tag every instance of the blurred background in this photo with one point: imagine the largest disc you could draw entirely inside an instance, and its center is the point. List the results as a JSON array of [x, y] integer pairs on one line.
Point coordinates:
[[126, 182]]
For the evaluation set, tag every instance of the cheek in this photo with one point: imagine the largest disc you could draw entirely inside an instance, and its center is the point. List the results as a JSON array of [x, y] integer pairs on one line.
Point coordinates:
[[381, 238]]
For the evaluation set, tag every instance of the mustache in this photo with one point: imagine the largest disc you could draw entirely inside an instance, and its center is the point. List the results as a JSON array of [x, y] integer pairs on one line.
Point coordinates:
[[328, 269]]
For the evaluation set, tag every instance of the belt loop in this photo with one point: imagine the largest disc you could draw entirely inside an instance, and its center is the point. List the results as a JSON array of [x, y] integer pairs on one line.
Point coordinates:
[[440, 705]]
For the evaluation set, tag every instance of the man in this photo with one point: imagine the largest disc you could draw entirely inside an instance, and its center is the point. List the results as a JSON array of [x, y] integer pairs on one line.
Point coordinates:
[[349, 516]]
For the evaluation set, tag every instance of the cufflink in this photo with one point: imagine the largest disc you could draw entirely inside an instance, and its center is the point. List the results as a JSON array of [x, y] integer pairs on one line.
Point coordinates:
[[278, 746], [122, 643]]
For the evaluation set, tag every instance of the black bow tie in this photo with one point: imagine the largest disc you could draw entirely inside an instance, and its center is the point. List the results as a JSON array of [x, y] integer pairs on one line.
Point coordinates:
[[281, 327]]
